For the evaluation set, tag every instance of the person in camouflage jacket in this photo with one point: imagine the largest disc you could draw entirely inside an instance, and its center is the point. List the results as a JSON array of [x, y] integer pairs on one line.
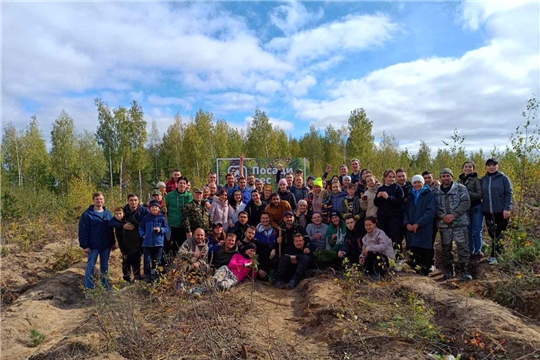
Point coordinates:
[[197, 215]]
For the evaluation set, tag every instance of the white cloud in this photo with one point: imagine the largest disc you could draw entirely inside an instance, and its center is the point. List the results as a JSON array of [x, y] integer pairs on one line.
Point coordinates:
[[186, 103], [475, 13], [283, 124], [293, 16], [301, 87]]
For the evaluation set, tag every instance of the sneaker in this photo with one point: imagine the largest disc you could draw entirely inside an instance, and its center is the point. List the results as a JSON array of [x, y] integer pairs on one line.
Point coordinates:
[[492, 261], [466, 276], [292, 284], [279, 284]]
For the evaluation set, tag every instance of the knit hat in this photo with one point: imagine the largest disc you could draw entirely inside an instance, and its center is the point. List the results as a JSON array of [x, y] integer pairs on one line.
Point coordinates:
[[318, 182], [160, 184], [250, 245], [154, 203], [418, 178], [283, 181], [346, 177], [446, 171]]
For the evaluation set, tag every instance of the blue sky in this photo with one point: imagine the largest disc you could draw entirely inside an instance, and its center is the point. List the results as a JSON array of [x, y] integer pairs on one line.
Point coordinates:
[[419, 69]]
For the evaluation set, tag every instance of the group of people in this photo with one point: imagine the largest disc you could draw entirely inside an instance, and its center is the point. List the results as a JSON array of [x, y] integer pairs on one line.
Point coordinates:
[[219, 229]]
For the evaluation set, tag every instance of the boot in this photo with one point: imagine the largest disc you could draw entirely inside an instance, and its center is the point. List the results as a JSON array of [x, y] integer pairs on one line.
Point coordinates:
[[293, 282], [449, 273], [465, 275]]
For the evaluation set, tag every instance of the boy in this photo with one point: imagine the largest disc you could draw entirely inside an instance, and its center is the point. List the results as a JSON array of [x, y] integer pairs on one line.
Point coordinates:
[[351, 204], [352, 246], [116, 235], [152, 229]]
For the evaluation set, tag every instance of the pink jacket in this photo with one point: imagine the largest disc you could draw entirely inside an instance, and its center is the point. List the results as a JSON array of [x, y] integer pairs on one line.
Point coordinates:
[[219, 213], [236, 265]]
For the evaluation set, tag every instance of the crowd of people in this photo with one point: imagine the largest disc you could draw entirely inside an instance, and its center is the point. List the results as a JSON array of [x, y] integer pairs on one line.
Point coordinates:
[[245, 227]]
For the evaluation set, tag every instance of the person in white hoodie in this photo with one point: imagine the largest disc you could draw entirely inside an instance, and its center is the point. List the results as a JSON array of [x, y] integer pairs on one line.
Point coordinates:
[[376, 250], [219, 211]]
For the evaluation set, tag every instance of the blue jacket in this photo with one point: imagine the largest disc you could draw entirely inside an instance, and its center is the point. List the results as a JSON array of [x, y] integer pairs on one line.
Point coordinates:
[[497, 193], [421, 212], [93, 229], [146, 230], [337, 199]]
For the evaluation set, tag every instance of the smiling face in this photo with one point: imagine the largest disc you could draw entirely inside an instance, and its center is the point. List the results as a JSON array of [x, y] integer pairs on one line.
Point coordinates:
[[237, 197], [428, 179], [265, 219], [275, 200], [492, 168], [343, 170], [335, 219], [154, 210], [299, 182], [282, 187], [250, 252], [316, 218], [289, 220], [199, 235], [336, 188], [370, 181], [230, 241], [230, 180], [182, 185], [390, 178], [468, 168], [417, 185], [133, 202], [370, 226], [355, 166], [289, 178], [251, 180], [446, 180], [256, 197], [176, 175], [302, 206], [242, 184]]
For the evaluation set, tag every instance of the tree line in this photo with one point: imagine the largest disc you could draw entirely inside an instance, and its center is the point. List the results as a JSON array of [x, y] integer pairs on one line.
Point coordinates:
[[121, 154]]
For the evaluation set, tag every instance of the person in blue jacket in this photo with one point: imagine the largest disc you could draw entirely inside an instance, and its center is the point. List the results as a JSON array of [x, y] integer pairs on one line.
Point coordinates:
[[152, 229], [94, 239], [419, 212], [497, 195]]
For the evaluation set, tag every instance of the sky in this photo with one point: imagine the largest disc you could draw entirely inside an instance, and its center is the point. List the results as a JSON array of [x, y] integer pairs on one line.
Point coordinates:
[[419, 69]]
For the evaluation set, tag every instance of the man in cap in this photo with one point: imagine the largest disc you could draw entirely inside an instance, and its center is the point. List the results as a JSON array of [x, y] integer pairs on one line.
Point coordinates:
[[196, 215], [452, 204]]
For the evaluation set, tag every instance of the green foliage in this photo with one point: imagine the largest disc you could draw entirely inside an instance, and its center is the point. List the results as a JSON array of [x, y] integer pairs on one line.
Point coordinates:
[[36, 338], [65, 258], [64, 151], [360, 142], [4, 251]]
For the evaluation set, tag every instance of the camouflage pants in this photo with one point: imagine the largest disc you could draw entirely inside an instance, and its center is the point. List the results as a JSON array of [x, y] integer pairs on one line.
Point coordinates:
[[224, 279], [460, 234]]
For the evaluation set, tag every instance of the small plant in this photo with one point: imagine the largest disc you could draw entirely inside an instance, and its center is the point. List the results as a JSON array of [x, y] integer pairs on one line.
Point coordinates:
[[36, 337], [5, 251], [65, 258]]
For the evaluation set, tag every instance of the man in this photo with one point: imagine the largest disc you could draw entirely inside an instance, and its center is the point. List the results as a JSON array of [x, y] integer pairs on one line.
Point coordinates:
[[158, 196], [430, 181], [265, 237], [452, 204], [176, 201], [355, 175], [246, 192], [212, 180], [406, 186], [310, 181], [230, 186], [94, 240], [343, 171], [172, 183], [241, 225], [133, 215], [196, 215], [288, 229], [259, 185], [222, 254], [316, 231], [195, 250], [277, 209], [294, 263], [251, 182]]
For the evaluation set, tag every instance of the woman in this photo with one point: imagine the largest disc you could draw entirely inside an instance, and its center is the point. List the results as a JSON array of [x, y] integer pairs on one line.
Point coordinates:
[[389, 201], [217, 235], [418, 215], [472, 182], [255, 208], [335, 234], [376, 250], [367, 199], [235, 206], [319, 200], [364, 173], [219, 211], [285, 194], [497, 194], [301, 214], [267, 194]]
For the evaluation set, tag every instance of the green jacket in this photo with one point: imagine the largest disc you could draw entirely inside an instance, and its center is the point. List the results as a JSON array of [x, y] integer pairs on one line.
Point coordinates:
[[175, 202], [197, 216]]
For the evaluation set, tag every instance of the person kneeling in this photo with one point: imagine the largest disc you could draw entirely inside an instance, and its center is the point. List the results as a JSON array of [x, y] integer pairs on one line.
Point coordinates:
[[294, 263], [376, 250]]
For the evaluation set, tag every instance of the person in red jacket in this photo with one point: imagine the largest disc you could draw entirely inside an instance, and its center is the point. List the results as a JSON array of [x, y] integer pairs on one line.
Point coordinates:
[[172, 183]]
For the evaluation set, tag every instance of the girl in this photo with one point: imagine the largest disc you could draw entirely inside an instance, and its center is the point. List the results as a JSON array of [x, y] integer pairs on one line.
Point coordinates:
[[217, 235], [235, 206], [418, 216], [389, 201], [286, 194], [219, 211], [228, 276], [337, 196], [367, 199], [335, 234], [376, 250], [472, 182]]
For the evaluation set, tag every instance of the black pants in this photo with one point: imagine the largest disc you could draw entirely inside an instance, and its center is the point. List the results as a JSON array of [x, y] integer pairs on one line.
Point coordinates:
[[170, 248], [496, 224], [286, 269], [376, 264], [421, 259], [132, 263], [392, 227]]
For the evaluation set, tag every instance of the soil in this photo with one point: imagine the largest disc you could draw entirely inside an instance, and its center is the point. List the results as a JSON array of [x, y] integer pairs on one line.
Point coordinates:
[[301, 322]]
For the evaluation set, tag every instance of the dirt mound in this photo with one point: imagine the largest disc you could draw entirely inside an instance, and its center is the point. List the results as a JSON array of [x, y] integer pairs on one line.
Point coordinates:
[[496, 325]]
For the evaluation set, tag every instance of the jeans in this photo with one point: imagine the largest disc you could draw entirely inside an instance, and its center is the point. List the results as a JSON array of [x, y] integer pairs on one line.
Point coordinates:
[[103, 267], [476, 221], [151, 253]]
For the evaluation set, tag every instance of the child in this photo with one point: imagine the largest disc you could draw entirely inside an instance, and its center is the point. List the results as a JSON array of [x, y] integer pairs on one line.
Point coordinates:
[[237, 269], [352, 246], [351, 204], [152, 229], [116, 235], [376, 249]]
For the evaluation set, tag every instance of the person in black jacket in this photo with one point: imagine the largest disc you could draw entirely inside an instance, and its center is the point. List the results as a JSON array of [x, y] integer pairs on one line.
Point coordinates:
[[294, 263], [352, 246], [254, 208], [389, 201], [133, 215]]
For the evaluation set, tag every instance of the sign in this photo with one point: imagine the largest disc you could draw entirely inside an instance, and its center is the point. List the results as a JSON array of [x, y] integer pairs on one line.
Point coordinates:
[[263, 168]]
